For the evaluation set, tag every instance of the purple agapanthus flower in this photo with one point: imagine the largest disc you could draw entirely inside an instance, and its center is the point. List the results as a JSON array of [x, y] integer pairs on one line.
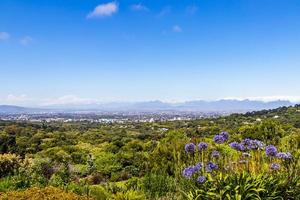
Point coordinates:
[[225, 135], [271, 150], [201, 179], [202, 146], [247, 142], [219, 139], [257, 144], [234, 145], [284, 155], [250, 144], [190, 148], [188, 172], [210, 166], [215, 154], [198, 167], [237, 146], [241, 147], [275, 166]]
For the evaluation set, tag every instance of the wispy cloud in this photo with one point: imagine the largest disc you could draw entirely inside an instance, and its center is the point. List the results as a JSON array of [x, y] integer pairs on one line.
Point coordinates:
[[25, 100], [191, 9], [294, 99], [139, 7], [12, 99], [17, 98], [27, 40], [4, 36], [176, 29], [67, 100], [104, 10], [165, 11]]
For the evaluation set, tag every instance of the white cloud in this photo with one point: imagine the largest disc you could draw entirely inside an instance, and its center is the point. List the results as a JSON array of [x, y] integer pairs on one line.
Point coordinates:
[[177, 29], [24, 100], [139, 7], [4, 36], [67, 100], [293, 99], [15, 99], [104, 10], [27, 40]]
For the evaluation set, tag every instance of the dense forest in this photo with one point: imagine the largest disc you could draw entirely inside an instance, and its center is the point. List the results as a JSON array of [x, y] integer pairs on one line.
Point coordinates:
[[241, 156]]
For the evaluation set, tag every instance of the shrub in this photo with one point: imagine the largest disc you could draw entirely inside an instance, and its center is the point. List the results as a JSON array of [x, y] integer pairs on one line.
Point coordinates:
[[128, 195], [158, 185], [8, 164], [6, 184], [99, 193], [50, 193]]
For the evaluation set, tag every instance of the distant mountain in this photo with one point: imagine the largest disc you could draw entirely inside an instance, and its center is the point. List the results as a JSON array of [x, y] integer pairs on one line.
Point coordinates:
[[11, 109], [232, 105], [8, 109], [204, 106], [196, 106]]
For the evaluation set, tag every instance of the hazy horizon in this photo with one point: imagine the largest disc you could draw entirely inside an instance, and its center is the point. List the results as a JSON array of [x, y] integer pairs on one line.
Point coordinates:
[[76, 101]]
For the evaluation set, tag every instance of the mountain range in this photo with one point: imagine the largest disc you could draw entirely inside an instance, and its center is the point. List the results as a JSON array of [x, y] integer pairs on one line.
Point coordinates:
[[153, 106]]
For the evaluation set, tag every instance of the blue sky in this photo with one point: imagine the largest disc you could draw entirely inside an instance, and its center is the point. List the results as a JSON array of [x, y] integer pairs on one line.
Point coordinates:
[[81, 51]]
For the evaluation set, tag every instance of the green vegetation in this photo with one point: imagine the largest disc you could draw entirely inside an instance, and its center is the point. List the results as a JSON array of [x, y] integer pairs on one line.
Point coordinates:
[[135, 161]]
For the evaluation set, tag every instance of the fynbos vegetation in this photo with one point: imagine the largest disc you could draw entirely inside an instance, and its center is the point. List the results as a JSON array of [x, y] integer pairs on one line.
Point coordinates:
[[250, 156]]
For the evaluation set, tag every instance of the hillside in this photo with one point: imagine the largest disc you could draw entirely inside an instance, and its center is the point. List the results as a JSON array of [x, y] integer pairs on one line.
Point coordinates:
[[159, 160]]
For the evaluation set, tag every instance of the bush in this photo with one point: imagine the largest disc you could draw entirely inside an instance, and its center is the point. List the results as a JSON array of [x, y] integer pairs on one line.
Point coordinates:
[[8, 164], [158, 185], [128, 195], [49, 193], [6, 184], [99, 193]]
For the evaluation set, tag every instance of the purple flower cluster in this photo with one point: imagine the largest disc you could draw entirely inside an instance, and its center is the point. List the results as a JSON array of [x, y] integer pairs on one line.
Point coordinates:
[[201, 179], [284, 155], [198, 166], [237, 146], [275, 166], [210, 166], [221, 138], [189, 171], [253, 144], [202, 146], [271, 150], [225, 135], [190, 148], [245, 146]]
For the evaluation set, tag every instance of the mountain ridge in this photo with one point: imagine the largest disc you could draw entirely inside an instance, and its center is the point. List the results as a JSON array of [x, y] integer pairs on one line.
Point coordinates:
[[196, 105]]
